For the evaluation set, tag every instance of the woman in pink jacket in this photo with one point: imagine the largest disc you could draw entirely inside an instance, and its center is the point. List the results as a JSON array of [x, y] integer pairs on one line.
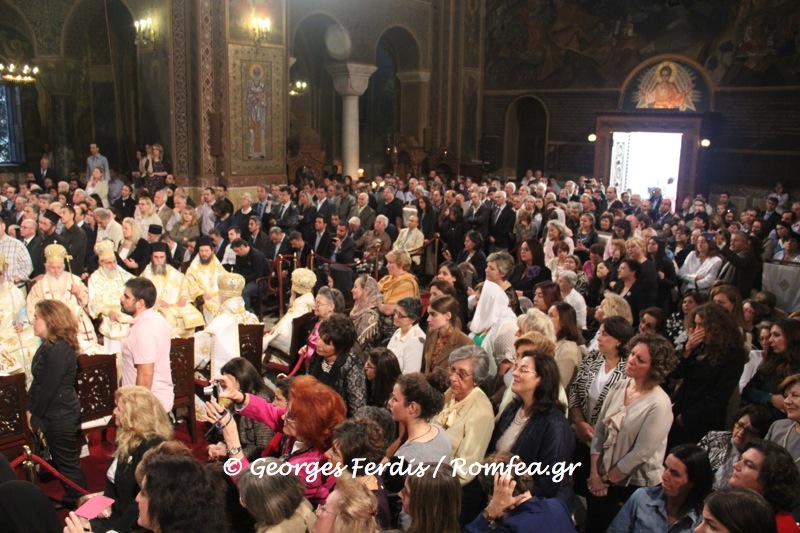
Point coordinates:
[[314, 409]]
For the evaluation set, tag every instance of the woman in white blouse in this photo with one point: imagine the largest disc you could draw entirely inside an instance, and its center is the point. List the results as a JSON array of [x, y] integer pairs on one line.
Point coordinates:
[[98, 185], [702, 266], [146, 214], [408, 341]]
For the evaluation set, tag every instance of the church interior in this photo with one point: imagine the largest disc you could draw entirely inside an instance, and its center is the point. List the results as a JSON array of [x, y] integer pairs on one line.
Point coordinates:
[[246, 92]]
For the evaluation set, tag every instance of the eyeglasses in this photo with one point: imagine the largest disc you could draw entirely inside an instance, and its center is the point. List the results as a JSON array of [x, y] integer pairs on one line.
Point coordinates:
[[321, 509], [524, 370], [320, 304], [462, 375], [399, 315], [741, 427]]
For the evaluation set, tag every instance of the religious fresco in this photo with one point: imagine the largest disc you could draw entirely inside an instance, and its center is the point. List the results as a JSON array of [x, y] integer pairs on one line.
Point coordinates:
[[257, 86], [561, 44], [667, 84], [472, 38]]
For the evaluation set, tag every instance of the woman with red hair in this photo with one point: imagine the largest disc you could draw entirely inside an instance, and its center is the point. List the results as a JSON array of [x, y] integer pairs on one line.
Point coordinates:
[[314, 409]]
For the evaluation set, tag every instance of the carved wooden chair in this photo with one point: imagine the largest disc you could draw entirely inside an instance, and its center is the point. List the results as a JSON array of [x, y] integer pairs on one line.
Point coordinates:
[[251, 343], [181, 360], [290, 363], [14, 431], [96, 383]]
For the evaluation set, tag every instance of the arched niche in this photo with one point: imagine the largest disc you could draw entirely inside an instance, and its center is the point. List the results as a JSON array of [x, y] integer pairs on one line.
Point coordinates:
[[668, 82], [526, 147]]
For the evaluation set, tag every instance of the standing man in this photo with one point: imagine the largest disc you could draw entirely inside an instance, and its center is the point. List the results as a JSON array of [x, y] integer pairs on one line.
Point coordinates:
[[285, 213], [74, 240], [145, 351], [205, 213], [501, 223], [95, 160]]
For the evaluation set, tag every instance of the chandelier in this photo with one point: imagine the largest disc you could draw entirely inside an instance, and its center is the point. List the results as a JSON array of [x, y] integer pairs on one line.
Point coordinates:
[[145, 32], [17, 73], [261, 29], [297, 88]]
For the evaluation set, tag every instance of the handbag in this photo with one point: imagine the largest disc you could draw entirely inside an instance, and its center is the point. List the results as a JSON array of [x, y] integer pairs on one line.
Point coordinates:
[[40, 446]]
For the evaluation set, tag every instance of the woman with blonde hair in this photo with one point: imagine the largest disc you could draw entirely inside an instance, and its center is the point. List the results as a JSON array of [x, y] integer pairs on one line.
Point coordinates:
[[133, 249], [612, 305], [399, 283], [187, 228], [141, 424], [98, 185], [146, 214], [535, 320], [351, 507]]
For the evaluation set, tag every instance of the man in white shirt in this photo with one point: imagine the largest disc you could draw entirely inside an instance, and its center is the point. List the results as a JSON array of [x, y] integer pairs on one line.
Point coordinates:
[[107, 227]]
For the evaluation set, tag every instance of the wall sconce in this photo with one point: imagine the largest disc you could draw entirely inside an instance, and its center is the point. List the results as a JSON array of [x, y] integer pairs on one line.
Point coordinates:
[[360, 172], [261, 29], [297, 88], [592, 137], [705, 143], [145, 32], [19, 74]]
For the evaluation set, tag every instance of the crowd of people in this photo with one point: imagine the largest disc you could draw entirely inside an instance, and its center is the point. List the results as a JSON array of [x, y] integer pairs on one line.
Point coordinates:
[[622, 343]]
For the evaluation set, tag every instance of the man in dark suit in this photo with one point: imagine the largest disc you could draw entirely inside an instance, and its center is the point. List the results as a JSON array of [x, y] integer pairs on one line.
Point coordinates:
[[91, 239], [771, 215], [364, 212], [177, 253], [477, 215], [321, 243], [256, 238], [285, 214], [741, 268], [345, 203], [344, 247], [220, 244], [277, 245], [251, 265], [44, 171], [501, 223], [33, 243], [300, 248]]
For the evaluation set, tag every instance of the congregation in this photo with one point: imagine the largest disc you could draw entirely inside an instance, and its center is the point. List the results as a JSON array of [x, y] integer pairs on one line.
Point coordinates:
[[621, 348]]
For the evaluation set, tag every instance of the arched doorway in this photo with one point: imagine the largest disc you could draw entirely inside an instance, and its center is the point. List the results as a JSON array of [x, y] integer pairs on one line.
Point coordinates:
[[526, 135]]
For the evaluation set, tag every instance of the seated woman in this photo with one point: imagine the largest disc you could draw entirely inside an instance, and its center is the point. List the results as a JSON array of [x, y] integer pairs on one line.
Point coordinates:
[[327, 302], [467, 417], [736, 510], [498, 269], [724, 448], [314, 409], [534, 427], [677, 504], [512, 506], [701, 267], [612, 305], [450, 272], [399, 283], [133, 250], [336, 365], [177, 492], [769, 469], [408, 341], [253, 436], [301, 303], [444, 334], [473, 253], [419, 492], [187, 228], [382, 371], [545, 294], [568, 352], [276, 502], [787, 432], [356, 442], [781, 362], [350, 507], [530, 269], [141, 424], [367, 299], [628, 286]]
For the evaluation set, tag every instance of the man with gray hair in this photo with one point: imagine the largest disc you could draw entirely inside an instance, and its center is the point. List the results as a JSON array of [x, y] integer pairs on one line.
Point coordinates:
[[376, 238], [355, 227], [501, 223], [566, 283], [278, 244], [244, 212], [363, 211]]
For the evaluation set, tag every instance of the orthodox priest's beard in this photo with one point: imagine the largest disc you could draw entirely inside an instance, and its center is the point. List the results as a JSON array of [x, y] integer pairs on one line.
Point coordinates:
[[205, 262], [159, 270]]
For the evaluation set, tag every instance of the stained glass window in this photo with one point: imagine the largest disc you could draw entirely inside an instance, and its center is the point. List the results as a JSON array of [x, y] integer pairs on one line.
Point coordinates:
[[12, 149]]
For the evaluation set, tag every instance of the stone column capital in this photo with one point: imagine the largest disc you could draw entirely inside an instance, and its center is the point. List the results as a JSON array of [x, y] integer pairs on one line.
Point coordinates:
[[412, 76], [351, 79]]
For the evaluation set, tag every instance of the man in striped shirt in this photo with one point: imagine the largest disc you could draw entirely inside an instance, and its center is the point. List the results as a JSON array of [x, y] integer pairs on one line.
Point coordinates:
[[20, 265]]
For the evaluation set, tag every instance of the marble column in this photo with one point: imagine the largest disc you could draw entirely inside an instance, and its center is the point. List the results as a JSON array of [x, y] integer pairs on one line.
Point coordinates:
[[350, 80]]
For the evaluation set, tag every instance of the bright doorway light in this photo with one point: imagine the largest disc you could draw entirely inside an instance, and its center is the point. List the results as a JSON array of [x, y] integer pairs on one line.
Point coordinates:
[[641, 161]]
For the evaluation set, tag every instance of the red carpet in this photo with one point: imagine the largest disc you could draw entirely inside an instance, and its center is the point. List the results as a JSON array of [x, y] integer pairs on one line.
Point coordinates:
[[96, 463]]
